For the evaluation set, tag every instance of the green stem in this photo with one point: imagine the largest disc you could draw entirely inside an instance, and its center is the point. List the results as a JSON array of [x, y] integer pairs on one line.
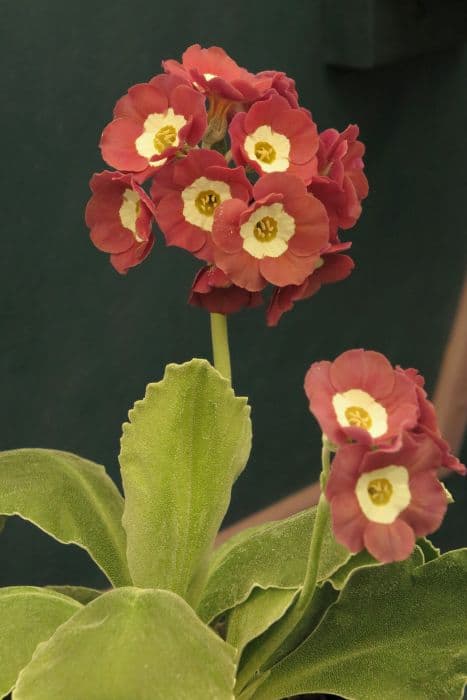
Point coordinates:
[[290, 631], [321, 521], [220, 345]]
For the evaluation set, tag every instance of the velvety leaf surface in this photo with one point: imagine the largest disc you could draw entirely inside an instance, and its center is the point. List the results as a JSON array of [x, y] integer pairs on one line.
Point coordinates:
[[274, 644], [261, 609], [396, 631], [131, 644], [80, 593], [28, 616], [274, 554], [185, 444], [70, 498]]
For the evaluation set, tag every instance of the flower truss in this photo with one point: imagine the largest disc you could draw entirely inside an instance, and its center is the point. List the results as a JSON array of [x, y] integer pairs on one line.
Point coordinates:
[[383, 487], [235, 172]]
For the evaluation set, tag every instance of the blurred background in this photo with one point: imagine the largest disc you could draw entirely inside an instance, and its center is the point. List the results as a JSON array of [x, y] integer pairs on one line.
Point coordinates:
[[79, 343]]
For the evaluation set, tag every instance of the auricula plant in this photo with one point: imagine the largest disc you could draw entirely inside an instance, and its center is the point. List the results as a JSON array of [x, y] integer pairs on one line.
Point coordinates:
[[346, 598]]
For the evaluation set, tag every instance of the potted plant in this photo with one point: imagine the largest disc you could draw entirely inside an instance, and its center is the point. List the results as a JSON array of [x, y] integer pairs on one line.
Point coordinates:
[[348, 597]]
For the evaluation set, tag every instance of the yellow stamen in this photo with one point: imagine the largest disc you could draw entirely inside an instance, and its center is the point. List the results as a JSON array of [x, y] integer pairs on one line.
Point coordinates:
[[165, 137], [380, 491], [264, 152], [358, 417], [265, 229], [207, 201]]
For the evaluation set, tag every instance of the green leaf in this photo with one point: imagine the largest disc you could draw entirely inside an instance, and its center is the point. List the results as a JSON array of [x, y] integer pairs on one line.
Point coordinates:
[[133, 644], [186, 443], [71, 499], [275, 643], [357, 561], [253, 617], [429, 550], [2, 522], [270, 555], [396, 631], [28, 616], [80, 593]]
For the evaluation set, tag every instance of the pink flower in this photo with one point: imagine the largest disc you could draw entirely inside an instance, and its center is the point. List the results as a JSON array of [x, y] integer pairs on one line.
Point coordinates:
[[188, 192], [383, 500], [212, 290], [120, 215], [332, 267], [152, 122], [428, 423], [341, 184], [361, 397], [268, 80], [277, 239], [214, 72], [274, 137]]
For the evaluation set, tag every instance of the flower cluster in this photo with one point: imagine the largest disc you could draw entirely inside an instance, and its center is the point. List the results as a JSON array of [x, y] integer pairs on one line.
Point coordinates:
[[383, 488], [233, 170]]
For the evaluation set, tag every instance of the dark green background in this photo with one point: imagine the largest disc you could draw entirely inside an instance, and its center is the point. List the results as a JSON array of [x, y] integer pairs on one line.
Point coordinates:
[[79, 342]]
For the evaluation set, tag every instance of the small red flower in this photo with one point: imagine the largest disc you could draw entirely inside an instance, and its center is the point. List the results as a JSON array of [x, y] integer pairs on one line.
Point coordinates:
[[274, 137], [152, 122], [332, 267], [277, 239], [212, 290], [383, 500], [280, 82], [428, 423], [214, 72], [188, 192], [120, 215], [341, 183], [361, 397]]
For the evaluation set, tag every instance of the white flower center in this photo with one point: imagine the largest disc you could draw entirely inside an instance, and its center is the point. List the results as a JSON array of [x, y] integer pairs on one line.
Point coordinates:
[[269, 149], [267, 231], [129, 211], [160, 132], [201, 199], [357, 408], [383, 493]]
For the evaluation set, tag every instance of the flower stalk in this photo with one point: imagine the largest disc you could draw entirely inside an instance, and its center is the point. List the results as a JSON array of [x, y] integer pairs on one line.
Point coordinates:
[[220, 345], [322, 517]]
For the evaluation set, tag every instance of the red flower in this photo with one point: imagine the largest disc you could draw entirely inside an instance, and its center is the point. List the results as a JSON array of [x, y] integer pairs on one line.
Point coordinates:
[[280, 82], [332, 267], [361, 397], [274, 137], [277, 239], [188, 192], [152, 122], [341, 184], [119, 215], [212, 290], [213, 72], [383, 500], [428, 423]]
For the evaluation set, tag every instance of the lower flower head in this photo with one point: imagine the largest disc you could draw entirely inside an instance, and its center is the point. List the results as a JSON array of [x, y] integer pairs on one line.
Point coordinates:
[[361, 397], [277, 239], [120, 216], [428, 423], [212, 290], [188, 193], [382, 500]]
